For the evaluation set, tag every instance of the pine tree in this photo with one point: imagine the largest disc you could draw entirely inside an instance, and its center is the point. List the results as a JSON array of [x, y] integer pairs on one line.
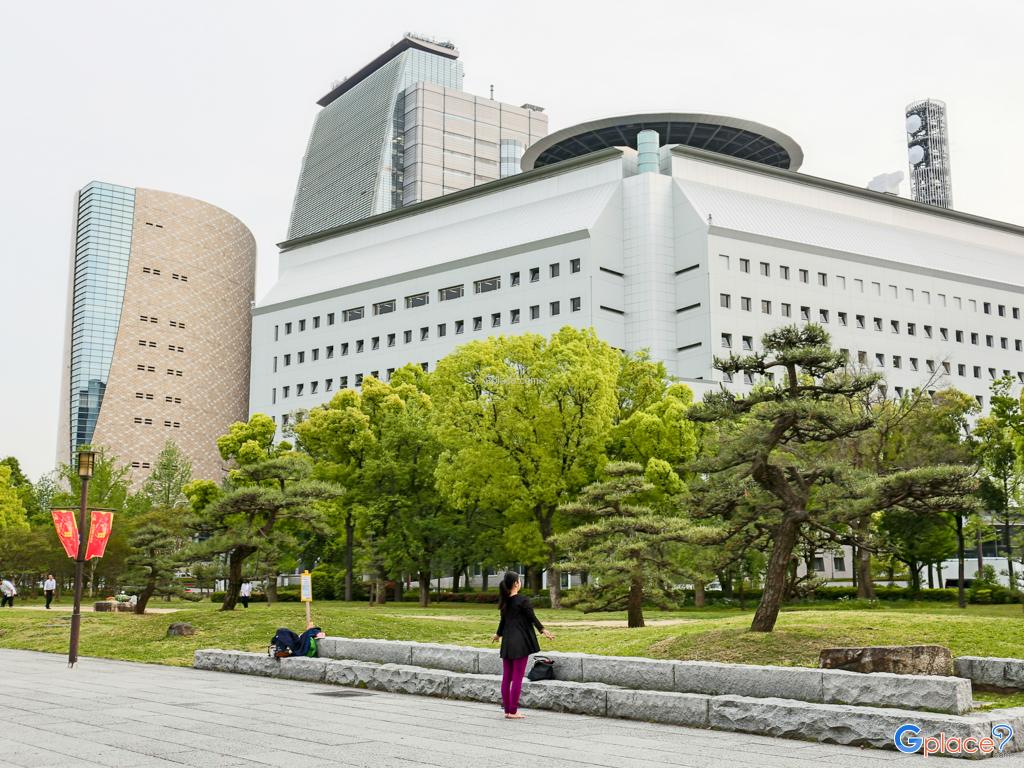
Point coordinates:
[[627, 544], [154, 561]]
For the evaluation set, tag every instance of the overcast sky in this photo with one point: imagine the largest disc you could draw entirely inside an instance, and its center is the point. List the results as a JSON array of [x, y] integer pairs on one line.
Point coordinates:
[[215, 100]]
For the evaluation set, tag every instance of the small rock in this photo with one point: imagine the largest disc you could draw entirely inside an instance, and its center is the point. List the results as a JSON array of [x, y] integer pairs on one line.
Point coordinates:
[[180, 629], [103, 605], [898, 659]]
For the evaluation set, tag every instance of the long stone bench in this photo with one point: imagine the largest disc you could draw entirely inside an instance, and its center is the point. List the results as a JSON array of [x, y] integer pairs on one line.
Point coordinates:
[[991, 671], [952, 695], [774, 716]]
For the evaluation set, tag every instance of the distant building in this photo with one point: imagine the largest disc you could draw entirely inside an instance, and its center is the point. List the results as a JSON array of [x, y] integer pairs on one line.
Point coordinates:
[[928, 153], [157, 344], [401, 130], [690, 251]]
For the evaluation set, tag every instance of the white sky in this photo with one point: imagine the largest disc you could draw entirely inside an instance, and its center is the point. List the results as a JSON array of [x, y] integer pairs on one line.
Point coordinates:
[[215, 100]]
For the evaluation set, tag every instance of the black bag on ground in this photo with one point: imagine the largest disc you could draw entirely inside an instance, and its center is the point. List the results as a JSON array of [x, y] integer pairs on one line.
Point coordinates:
[[284, 643], [543, 669]]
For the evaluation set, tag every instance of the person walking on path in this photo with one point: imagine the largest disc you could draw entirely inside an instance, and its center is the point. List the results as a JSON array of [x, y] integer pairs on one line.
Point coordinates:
[[8, 591], [245, 593], [48, 587], [518, 640]]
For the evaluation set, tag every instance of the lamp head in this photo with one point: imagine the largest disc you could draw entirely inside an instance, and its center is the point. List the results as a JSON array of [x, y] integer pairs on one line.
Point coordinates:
[[86, 459]]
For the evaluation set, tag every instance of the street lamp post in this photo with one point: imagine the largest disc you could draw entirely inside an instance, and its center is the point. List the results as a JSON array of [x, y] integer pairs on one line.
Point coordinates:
[[85, 467]]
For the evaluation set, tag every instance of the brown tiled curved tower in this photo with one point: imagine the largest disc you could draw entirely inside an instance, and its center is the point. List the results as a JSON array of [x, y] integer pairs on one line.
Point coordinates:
[[179, 369]]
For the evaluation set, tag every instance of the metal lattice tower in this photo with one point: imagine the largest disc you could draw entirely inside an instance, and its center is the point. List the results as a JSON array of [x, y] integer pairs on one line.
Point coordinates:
[[928, 153]]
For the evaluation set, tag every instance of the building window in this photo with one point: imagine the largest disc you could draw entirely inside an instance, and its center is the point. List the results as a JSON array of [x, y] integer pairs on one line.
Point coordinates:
[[822, 315], [897, 362], [959, 335], [534, 311], [343, 381], [288, 359], [805, 313], [822, 279], [328, 385], [745, 265], [974, 338], [330, 318], [407, 337], [784, 272], [344, 348], [495, 319], [553, 270], [478, 323], [913, 364], [313, 387], [787, 309], [513, 279], [880, 359], [302, 325], [287, 328], [987, 307], [988, 340], [513, 316], [285, 391], [384, 307], [486, 285], [819, 564], [316, 354], [359, 346], [356, 313], [575, 303], [748, 343], [375, 342], [804, 276], [878, 323], [316, 321], [766, 269], [302, 357], [555, 309], [359, 379], [574, 266], [766, 307], [442, 330], [961, 369], [727, 340], [460, 326], [534, 274], [419, 299], [842, 317], [894, 325], [391, 339], [424, 333], [745, 303], [724, 300], [977, 371], [451, 292]]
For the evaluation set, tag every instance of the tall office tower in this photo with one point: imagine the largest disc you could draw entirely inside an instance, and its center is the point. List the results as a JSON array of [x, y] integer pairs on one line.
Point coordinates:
[[158, 330], [928, 153], [401, 130]]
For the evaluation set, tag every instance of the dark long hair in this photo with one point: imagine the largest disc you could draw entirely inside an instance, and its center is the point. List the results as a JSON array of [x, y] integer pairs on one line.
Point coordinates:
[[505, 588]]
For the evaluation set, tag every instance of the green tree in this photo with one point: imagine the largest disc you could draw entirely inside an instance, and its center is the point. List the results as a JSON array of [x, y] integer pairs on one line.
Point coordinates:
[[773, 473], [626, 541], [172, 471], [524, 421], [12, 511], [155, 558]]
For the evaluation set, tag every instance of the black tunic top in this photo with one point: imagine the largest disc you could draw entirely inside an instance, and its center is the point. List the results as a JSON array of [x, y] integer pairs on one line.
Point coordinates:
[[516, 628]]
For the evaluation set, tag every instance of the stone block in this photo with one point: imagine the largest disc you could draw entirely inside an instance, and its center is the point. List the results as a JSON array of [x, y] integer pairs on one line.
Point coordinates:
[[881, 689], [354, 674], [897, 659], [718, 679], [377, 651], [488, 661], [563, 696], [303, 668], [991, 671], [689, 709], [257, 664], [454, 658], [216, 660], [485, 688], [832, 723], [568, 666], [644, 674], [397, 678]]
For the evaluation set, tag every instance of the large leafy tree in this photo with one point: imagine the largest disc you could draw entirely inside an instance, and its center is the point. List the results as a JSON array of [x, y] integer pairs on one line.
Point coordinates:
[[172, 471], [773, 475], [524, 421], [12, 511]]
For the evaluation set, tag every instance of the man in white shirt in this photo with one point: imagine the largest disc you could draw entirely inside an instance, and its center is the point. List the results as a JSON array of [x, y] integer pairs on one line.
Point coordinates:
[[8, 591], [245, 593], [48, 587]]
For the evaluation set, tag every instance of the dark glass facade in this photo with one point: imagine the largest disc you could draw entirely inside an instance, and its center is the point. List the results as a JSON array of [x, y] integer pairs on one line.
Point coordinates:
[[103, 240]]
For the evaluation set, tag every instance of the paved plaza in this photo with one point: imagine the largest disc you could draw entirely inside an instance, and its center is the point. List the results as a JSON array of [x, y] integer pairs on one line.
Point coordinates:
[[110, 713]]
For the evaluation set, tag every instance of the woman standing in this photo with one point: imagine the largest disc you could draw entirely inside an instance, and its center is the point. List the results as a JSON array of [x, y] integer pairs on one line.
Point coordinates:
[[518, 640]]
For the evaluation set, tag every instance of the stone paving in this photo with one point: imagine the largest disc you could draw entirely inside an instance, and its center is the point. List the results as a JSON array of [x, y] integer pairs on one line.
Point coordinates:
[[110, 713]]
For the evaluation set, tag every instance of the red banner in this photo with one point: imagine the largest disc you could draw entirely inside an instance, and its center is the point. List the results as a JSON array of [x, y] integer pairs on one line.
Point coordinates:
[[99, 533], [67, 529]]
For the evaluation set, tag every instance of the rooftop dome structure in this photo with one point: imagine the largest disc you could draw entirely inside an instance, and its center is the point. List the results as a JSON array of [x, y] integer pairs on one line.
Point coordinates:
[[731, 136]]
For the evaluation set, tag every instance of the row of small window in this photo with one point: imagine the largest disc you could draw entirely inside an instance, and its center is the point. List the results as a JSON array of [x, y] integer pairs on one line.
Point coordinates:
[[314, 386], [391, 339], [140, 465], [152, 369], [149, 396], [893, 290], [151, 224], [152, 319], [824, 316], [174, 275], [422, 299], [152, 344], [167, 422]]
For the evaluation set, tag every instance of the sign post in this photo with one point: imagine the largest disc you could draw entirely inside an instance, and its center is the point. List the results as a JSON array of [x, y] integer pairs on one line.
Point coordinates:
[[306, 592]]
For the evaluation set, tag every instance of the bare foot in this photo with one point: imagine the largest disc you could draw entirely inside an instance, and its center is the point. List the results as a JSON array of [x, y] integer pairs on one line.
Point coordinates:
[[516, 716]]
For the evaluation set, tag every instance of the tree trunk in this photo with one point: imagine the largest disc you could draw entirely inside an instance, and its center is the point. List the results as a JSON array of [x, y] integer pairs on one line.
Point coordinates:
[[533, 578], [456, 573], [931, 581], [424, 578], [399, 584], [635, 604], [147, 592], [235, 561], [981, 554], [783, 543], [350, 527], [698, 594], [271, 590], [483, 577], [381, 591], [865, 582], [555, 587], [1009, 556], [961, 599], [725, 582], [855, 554], [914, 571]]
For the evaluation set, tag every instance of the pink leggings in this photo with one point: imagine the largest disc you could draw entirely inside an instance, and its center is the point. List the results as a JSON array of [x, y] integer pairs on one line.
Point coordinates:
[[512, 683]]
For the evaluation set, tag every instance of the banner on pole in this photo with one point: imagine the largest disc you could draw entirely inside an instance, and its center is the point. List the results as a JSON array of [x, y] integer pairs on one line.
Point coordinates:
[[67, 529], [306, 587], [99, 533]]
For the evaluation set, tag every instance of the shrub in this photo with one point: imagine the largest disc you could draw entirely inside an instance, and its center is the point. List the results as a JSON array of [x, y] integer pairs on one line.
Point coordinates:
[[284, 595]]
